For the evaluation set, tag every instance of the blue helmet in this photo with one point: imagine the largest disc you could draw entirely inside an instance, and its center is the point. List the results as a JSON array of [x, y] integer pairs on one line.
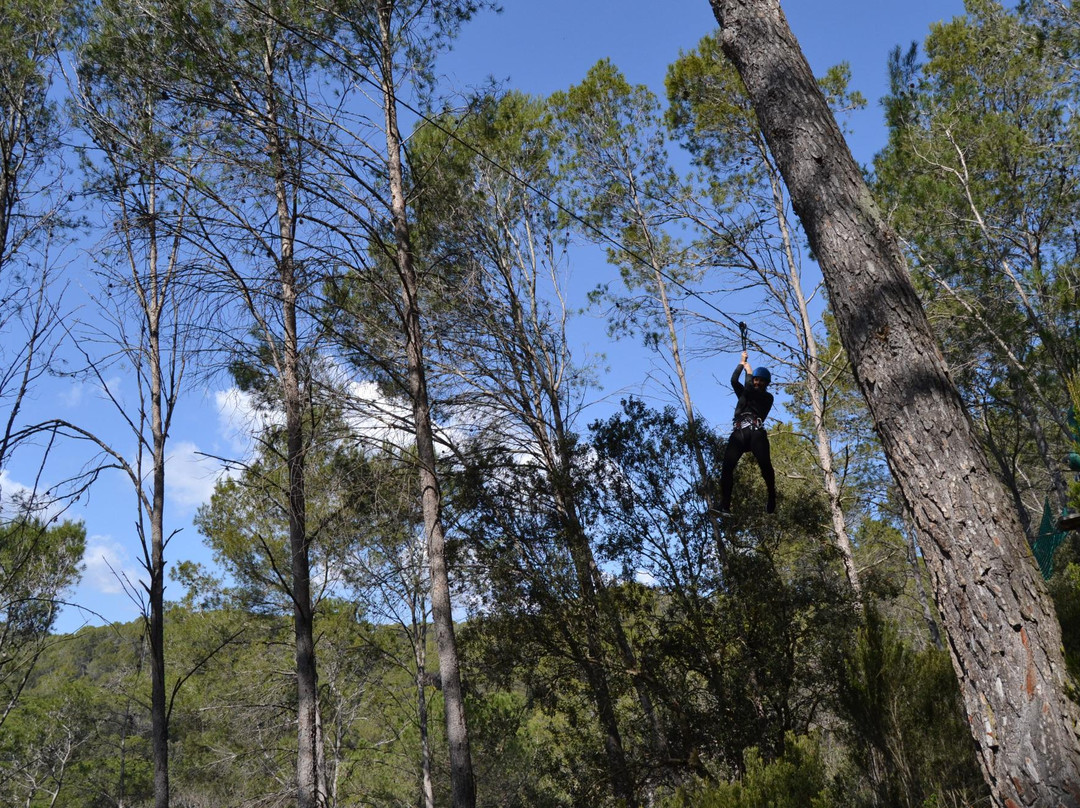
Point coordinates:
[[762, 373]]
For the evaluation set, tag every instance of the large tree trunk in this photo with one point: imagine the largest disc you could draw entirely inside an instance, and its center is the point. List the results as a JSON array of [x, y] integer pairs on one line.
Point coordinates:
[[587, 656], [1003, 634], [462, 786]]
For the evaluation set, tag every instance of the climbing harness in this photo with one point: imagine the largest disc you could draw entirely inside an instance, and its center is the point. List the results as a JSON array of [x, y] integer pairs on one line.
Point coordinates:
[[747, 422]]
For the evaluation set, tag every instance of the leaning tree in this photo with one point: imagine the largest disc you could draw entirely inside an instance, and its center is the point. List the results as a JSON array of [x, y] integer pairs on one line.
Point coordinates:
[[1003, 634]]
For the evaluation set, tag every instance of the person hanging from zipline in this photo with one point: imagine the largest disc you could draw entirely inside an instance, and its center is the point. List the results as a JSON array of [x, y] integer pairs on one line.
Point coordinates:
[[749, 433]]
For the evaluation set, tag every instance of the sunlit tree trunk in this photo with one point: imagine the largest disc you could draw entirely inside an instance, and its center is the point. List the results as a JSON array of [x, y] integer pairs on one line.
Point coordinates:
[[815, 388], [463, 790], [269, 123], [712, 512], [152, 302]]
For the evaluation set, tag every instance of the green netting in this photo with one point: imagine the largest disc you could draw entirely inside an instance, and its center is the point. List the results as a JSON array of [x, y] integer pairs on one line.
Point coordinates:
[[1049, 540]]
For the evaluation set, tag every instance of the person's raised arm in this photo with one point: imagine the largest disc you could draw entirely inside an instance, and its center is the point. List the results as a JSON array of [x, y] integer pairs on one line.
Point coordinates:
[[736, 385]]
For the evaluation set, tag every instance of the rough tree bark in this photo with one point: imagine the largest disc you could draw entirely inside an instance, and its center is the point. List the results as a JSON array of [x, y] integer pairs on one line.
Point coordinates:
[[1002, 632]]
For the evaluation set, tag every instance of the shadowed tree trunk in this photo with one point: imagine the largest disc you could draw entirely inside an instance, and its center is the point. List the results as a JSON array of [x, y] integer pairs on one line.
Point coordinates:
[[1002, 632]]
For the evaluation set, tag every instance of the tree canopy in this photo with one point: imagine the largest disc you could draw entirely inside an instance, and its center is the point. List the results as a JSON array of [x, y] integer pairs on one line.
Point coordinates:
[[442, 565]]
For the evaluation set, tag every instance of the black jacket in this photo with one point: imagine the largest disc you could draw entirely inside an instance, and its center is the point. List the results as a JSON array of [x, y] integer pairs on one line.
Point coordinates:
[[752, 403]]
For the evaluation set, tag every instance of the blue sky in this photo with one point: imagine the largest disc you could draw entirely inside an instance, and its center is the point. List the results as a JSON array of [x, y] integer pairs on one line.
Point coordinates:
[[540, 47], [536, 47]]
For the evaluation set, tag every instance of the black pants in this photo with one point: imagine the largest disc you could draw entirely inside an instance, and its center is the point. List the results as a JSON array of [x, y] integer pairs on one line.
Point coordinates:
[[756, 441]]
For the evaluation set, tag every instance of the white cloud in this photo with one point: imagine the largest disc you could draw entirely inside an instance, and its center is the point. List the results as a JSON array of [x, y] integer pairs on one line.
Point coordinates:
[[240, 417], [645, 577], [14, 497], [370, 415], [376, 419], [11, 492], [107, 563], [373, 417], [110, 389], [72, 397], [190, 476]]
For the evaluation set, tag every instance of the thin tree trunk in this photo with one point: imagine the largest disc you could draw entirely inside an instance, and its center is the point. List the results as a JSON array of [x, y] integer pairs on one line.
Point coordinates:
[[590, 582], [159, 719], [555, 445], [303, 613], [591, 594], [1058, 484], [815, 390], [707, 490], [420, 652], [125, 728], [310, 762], [1003, 634], [322, 777], [535, 384], [910, 545], [588, 660], [589, 589], [462, 786], [152, 303], [310, 793]]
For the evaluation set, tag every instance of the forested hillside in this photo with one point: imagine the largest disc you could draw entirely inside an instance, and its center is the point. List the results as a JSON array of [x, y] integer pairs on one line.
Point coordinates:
[[439, 566]]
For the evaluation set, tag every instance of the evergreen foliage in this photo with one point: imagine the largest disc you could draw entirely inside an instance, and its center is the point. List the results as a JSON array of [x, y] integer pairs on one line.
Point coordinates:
[[981, 182], [619, 644]]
